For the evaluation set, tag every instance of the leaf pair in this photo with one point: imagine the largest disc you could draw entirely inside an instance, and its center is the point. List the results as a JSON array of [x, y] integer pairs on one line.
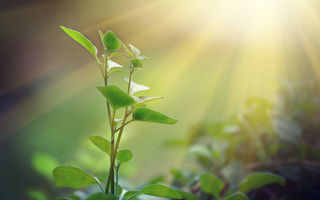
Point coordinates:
[[123, 156], [119, 99]]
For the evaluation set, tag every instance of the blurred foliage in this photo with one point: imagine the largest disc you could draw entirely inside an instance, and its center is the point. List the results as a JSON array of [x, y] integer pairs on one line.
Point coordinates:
[[278, 136]]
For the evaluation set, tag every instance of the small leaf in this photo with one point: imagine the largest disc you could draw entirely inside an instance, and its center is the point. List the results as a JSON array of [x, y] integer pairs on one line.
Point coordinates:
[[135, 50], [135, 87], [124, 156], [101, 196], [44, 163], [101, 143], [111, 41], [72, 177], [81, 39], [113, 71], [259, 179], [136, 63], [127, 50], [211, 184], [159, 190], [116, 97], [237, 196], [148, 115], [112, 64]]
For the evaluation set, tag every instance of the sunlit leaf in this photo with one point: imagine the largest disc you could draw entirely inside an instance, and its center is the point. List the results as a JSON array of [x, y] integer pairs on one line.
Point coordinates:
[[135, 87], [157, 179], [101, 37], [111, 41], [101, 143], [211, 184], [148, 115], [159, 190], [116, 97], [36, 195], [72, 177], [101, 196], [143, 99], [237, 196], [81, 39], [135, 50], [124, 156], [260, 179], [44, 163], [112, 64]]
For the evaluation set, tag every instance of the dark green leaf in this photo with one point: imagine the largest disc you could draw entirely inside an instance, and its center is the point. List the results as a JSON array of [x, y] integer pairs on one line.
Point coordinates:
[[124, 156], [37, 195], [237, 196], [111, 41], [116, 97], [72, 177], [159, 190], [101, 196], [188, 196], [81, 39], [260, 179], [211, 184], [101, 143], [148, 115]]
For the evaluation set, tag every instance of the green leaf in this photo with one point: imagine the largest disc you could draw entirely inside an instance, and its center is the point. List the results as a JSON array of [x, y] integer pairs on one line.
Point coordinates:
[[159, 190], [124, 156], [61, 198], [135, 87], [237, 196], [136, 63], [148, 115], [211, 184], [81, 39], [259, 179], [101, 143], [101, 37], [36, 195], [111, 41], [127, 50], [113, 71], [72, 177], [116, 97], [188, 195], [44, 163], [135, 50], [101, 196]]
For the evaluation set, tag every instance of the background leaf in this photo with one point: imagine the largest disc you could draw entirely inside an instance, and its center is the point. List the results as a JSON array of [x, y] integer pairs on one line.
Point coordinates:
[[116, 97], [101, 196], [237, 196], [148, 115], [101, 143], [159, 190], [124, 156], [81, 39], [72, 177], [260, 179], [211, 184]]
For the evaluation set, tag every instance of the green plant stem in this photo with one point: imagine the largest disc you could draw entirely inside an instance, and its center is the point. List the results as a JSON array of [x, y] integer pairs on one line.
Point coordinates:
[[126, 115], [117, 178]]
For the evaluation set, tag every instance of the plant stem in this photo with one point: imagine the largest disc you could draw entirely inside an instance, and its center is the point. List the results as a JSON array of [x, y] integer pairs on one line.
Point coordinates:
[[126, 115], [117, 178]]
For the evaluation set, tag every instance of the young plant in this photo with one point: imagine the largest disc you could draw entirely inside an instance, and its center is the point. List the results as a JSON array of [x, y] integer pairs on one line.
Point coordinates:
[[134, 109]]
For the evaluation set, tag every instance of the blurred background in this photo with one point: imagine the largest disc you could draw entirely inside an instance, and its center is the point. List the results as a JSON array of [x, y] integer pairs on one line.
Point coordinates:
[[206, 58]]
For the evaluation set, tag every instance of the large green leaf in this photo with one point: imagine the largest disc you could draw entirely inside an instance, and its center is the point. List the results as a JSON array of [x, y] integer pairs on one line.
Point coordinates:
[[81, 39], [211, 184], [148, 115], [101, 143], [101, 196], [111, 41], [124, 156], [72, 177], [116, 97], [159, 190], [188, 196], [259, 179], [237, 196]]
